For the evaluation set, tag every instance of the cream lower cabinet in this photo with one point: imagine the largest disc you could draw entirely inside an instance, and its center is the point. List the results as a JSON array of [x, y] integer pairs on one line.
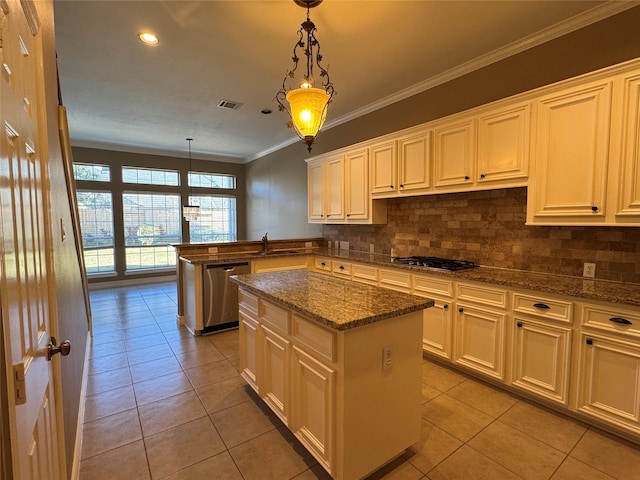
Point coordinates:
[[437, 321], [275, 263], [480, 323], [275, 367]]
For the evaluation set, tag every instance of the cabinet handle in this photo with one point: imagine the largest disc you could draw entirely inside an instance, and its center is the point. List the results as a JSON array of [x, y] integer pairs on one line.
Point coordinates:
[[589, 341], [461, 309], [323, 264], [482, 175], [519, 324], [466, 177], [341, 267], [445, 306], [594, 209], [542, 306], [620, 320]]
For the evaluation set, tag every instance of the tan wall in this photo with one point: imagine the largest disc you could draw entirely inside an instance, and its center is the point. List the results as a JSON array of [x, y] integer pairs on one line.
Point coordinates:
[[607, 42]]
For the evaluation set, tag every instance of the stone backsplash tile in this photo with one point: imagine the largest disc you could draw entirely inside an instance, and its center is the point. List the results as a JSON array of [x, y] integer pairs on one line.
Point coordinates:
[[489, 228]]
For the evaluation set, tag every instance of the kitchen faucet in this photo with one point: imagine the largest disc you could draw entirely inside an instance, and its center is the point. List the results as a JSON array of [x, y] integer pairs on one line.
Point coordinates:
[[264, 242]]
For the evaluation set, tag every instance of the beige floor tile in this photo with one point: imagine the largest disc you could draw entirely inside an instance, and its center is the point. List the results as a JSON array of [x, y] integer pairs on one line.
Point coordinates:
[[108, 362], [572, 469], [487, 399], [147, 354], [556, 430], [189, 343], [429, 393], [243, 422], [398, 469], [157, 339], [141, 372], [101, 382], [170, 412], [609, 454], [439, 377], [161, 387], [211, 373], [518, 452], [433, 447], [220, 467], [142, 328], [180, 447], [100, 348], [200, 357], [468, 464], [275, 455], [235, 363], [110, 432], [455, 417], [109, 402], [227, 342], [123, 463], [224, 394], [314, 473]]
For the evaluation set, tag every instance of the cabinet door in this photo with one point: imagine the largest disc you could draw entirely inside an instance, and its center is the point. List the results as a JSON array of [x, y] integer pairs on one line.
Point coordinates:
[[572, 154], [357, 187], [383, 168], [479, 340], [248, 336], [274, 385], [315, 187], [454, 154], [312, 416], [629, 176], [609, 381], [503, 145], [437, 329], [334, 188], [414, 162], [541, 359]]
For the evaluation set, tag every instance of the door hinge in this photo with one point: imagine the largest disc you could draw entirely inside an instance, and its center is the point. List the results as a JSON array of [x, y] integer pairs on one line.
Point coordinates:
[[20, 383]]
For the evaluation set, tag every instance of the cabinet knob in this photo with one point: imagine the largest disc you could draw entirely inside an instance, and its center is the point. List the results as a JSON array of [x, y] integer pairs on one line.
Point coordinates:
[[445, 306], [390, 186], [620, 320], [348, 214], [341, 267], [594, 209], [519, 324], [323, 264], [482, 175], [466, 177], [542, 306], [589, 341], [401, 185], [461, 309]]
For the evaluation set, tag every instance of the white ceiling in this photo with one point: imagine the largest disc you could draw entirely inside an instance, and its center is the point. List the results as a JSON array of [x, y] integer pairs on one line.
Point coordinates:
[[123, 95]]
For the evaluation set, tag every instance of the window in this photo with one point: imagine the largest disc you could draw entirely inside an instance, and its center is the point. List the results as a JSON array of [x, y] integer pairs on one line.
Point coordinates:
[[91, 172], [210, 180], [150, 176], [151, 223], [96, 224], [217, 220]]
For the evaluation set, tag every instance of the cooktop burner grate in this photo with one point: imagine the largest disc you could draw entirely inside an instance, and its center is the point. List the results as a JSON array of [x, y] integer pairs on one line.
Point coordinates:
[[436, 262]]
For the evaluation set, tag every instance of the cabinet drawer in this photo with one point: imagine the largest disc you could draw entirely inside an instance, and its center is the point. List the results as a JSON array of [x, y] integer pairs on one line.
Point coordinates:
[[543, 307], [341, 268], [611, 320], [275, 316], [248, 301], [395, 280], [432, 285], [323, 265], [364, 274], [483, 295], [315, 338]]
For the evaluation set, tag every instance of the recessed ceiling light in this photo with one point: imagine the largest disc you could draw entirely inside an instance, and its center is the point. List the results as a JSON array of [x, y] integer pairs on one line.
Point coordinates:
[[148, 38], [266, 111]]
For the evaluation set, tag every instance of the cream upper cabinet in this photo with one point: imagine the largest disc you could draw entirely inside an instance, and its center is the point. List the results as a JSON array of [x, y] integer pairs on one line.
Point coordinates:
[[357, 179], [454, 154], [315, 191], [503, 146], [571, 155], [334, 188], [628, 176], [384, 172]]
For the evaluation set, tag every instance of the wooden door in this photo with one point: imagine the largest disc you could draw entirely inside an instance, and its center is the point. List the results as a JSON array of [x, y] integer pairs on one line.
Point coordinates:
[[25, 238]]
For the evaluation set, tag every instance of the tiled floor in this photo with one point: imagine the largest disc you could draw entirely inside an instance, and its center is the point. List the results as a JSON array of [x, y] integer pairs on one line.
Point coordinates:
[[163, 404]]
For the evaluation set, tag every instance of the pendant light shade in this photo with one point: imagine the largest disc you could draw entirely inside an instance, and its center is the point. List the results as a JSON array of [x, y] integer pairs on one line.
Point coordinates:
[[190, 212], [308, 110]]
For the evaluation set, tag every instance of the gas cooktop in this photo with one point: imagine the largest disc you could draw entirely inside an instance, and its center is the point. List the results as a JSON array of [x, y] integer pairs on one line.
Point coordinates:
[[436, 263]]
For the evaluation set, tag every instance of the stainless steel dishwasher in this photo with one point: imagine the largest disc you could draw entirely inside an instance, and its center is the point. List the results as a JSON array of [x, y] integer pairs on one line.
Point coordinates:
[[221, 295]]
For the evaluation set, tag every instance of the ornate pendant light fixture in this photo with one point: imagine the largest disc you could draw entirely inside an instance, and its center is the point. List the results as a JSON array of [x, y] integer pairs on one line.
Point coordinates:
[[307, 103], [190, 212]]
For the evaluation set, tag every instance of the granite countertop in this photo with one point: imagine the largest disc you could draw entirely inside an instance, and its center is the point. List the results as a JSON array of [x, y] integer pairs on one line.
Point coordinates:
[[332, 302], [585, 288], [213, 258]]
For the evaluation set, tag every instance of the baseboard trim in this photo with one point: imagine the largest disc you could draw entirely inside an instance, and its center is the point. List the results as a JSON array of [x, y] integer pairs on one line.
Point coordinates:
[[77, 448]]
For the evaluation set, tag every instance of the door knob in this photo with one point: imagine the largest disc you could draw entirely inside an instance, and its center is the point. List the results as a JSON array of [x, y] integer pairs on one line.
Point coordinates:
[[64, 348]]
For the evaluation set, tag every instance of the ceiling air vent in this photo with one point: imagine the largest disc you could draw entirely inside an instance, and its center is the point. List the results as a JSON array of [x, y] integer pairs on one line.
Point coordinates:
[[229, 104]]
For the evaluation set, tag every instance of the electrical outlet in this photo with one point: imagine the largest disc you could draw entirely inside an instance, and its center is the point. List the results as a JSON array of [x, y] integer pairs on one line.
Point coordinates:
[[344, 245], [308, 244], [213, 249], [372, 248], [589, 270], [386, 358]]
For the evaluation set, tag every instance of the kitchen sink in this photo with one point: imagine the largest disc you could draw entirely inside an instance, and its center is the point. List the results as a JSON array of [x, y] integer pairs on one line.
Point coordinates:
[[275, 252]]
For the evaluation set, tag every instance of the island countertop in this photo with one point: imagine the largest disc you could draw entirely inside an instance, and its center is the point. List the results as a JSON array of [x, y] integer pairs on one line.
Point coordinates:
[[332, 302]]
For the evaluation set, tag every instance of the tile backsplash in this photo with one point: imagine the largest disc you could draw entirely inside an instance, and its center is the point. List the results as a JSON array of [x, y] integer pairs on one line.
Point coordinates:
[[489, 228]]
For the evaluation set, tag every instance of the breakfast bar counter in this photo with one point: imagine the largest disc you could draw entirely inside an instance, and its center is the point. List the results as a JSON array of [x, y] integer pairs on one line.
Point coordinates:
[[337, 361]]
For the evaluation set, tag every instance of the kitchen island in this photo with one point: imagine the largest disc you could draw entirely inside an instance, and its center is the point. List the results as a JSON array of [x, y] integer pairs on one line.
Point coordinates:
[[338, 362]]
